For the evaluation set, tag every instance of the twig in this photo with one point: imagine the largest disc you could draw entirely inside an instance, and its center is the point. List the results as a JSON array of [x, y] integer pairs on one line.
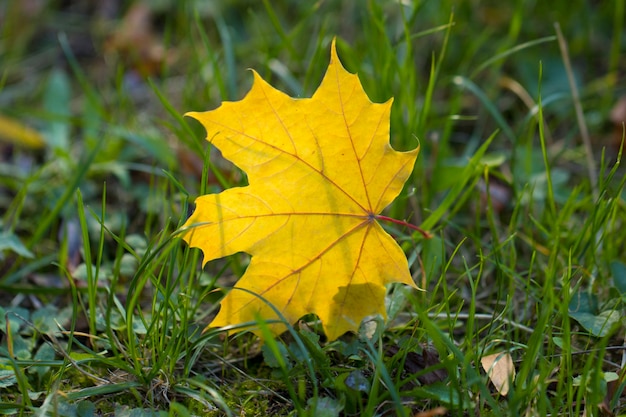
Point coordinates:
[[478, 316]]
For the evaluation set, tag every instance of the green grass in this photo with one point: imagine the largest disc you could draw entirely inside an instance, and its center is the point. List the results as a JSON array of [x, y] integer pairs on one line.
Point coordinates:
[[102, 306]]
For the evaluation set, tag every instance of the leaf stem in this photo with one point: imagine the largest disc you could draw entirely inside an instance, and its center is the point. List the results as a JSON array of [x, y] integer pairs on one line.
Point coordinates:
[[424, 233]]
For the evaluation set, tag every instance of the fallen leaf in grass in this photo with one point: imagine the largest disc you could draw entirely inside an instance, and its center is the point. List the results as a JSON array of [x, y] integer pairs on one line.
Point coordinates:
[[17, 133], [416, 363], [437, 411], [500, 370], [320, 172], [136, 43], [495, 195], [618, 117], [618, 112]]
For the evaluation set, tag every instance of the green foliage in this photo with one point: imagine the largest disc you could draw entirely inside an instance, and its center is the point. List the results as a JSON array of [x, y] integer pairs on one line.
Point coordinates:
[[102, 308]]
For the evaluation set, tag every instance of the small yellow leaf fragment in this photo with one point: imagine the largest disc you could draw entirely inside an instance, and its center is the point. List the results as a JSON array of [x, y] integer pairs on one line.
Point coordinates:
[[19, 134], [500, 370]]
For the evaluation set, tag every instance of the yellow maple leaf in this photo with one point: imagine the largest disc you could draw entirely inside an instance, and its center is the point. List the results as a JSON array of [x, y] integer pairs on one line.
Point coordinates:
[[320, 171]]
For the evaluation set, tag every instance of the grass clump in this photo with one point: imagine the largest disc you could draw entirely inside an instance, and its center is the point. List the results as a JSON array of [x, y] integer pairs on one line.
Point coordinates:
[[102, 308]]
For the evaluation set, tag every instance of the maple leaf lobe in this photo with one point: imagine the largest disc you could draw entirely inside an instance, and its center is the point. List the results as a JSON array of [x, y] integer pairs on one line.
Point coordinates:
[[319, 171]]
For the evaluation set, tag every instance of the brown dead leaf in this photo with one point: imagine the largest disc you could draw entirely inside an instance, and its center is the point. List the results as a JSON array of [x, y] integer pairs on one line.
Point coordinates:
[[136, 43], [438, 411], [618, 118], [500, 370], [417, 362], [495, 194], [618, 112]]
